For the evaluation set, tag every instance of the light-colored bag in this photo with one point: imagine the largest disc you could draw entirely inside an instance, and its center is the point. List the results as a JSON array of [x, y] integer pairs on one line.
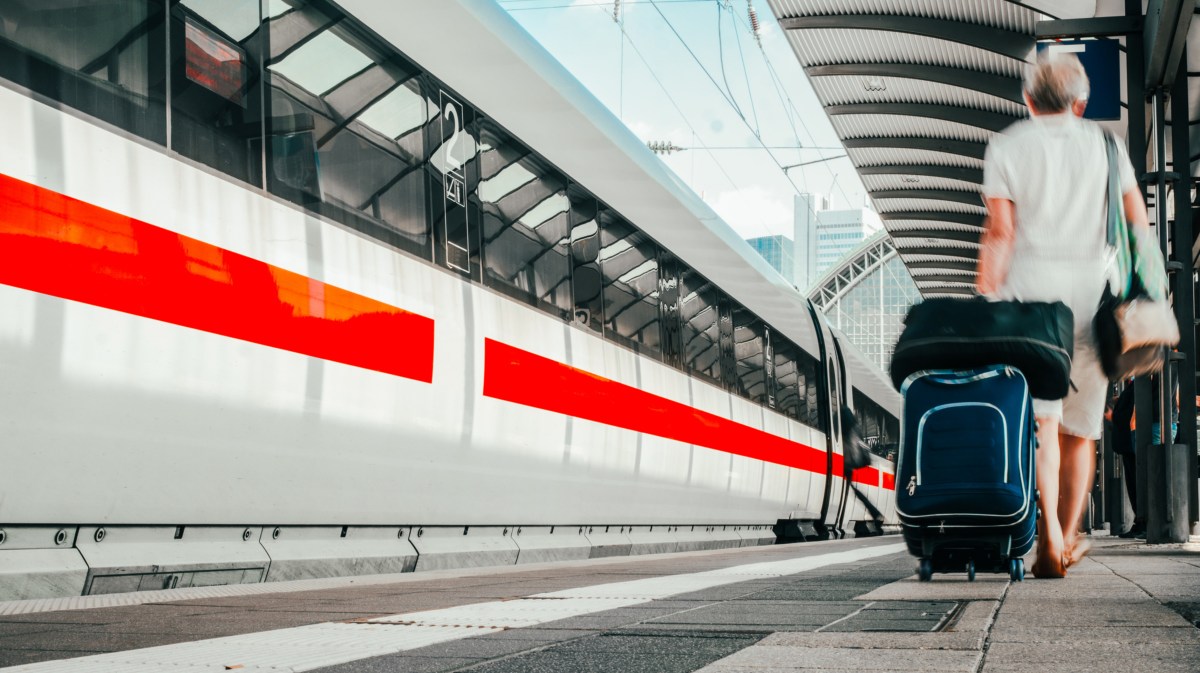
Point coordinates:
[[1135, 322]]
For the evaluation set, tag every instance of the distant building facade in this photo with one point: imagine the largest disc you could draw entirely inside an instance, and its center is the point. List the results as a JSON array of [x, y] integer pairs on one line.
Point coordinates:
[[820, 239], [779, 252]]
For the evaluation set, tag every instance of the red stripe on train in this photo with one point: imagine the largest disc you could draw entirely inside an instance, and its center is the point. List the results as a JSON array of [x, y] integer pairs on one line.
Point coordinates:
[[57, 245], [516, 375]]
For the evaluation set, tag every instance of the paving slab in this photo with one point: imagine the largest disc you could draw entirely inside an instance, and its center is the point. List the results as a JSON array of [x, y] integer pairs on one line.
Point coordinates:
[[9, 657], [1111, 656], [1017, 633], [787, 658], [407, 664], [942, 588], [879, 641]]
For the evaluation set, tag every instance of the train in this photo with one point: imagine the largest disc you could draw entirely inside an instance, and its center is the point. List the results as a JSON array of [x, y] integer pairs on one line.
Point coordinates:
[[308, 289]]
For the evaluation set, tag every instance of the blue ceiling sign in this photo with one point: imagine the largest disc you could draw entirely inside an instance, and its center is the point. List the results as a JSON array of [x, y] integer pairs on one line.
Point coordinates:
[[1101, 60]]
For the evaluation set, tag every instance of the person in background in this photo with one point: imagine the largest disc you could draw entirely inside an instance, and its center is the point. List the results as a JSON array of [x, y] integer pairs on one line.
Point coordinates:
[[1045, 185], [1124, 446]]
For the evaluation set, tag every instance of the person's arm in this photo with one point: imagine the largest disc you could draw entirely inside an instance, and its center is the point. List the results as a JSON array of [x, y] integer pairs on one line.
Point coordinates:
[[995, 254], [1135, 210]]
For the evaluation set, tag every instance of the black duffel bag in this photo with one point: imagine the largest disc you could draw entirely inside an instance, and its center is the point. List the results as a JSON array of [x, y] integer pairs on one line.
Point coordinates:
[[1036, 337]]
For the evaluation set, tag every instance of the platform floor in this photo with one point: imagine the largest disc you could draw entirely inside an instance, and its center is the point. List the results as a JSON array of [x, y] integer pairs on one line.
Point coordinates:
[[851, 605]]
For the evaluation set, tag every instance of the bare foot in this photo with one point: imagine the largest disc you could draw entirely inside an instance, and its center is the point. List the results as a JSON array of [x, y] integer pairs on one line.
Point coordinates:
[[1049, 565], [1076, 550], [1051, 561]]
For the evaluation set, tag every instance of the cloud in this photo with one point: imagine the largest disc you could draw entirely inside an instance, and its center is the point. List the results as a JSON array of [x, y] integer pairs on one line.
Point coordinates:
[[754, 211]]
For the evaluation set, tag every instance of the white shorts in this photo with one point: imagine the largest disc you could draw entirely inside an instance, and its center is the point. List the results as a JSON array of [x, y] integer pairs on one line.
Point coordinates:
[[1078, 284]]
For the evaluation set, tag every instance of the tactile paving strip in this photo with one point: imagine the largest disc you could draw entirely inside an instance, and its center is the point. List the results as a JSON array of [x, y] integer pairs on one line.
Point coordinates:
[[315, 646]]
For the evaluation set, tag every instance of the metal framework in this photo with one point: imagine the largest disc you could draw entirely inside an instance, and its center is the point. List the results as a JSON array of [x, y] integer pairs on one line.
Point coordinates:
[[869, 257]]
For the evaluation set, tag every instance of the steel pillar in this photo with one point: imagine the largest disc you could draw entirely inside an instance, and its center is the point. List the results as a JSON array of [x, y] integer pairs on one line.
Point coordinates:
[[1184, 502]]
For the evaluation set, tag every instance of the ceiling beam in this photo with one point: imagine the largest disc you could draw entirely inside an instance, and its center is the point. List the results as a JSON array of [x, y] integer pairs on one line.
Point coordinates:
[[997, 40], [945, 277], [962, 148], [984, 119], [937, 234], [970, 219], [1000, 86], [961, 253], [961, 173], [954, 196], [943, 265], [1100, 26], [1165, 34], [940, 291], [956, 283]]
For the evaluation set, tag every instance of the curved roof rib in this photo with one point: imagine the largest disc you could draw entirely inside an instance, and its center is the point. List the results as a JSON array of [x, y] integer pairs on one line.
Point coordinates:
[[1000, 86]]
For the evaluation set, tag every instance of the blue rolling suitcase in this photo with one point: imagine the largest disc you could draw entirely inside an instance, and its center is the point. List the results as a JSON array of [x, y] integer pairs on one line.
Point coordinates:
[[966, 492]]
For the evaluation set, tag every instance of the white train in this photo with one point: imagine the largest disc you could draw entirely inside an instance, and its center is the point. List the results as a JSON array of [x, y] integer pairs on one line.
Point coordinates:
[[369, 288]]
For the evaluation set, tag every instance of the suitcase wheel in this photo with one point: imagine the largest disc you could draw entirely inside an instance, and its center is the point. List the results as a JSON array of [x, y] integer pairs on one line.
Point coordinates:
[[1016, 569], [925, 570], [971, 570]]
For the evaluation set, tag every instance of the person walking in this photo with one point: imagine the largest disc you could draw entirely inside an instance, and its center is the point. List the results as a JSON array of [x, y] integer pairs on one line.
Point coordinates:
[[1045, 182]]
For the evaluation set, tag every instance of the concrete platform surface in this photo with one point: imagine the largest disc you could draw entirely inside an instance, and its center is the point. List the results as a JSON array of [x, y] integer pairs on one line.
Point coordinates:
[[850, 605]]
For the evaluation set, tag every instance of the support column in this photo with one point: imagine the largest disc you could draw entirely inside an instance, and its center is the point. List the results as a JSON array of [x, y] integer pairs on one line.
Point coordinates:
[[1182, 464]]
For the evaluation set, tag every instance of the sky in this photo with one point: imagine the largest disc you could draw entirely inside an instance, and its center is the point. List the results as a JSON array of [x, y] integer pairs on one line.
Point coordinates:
[[690, 72]]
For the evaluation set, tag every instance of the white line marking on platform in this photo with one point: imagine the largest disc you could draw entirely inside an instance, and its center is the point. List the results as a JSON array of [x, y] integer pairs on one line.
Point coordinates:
[[307, 647]]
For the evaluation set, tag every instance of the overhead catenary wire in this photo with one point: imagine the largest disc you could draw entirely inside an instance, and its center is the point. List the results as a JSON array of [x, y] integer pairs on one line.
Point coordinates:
[[787, 103], [721, 58], [654, 3], [745, 75], [779, 84], [675, 104]]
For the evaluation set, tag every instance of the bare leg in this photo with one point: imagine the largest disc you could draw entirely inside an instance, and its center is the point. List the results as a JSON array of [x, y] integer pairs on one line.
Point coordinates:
[[1075, 482], [1050, 548]]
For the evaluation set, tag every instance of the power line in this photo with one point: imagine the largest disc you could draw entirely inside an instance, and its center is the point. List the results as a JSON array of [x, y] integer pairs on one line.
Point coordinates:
[[746, 76], [781, 92], [671, 99], [607, 3], [654, 3]]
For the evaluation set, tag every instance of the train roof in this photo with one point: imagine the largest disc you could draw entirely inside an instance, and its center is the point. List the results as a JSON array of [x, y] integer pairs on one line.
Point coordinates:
[[477, 49]]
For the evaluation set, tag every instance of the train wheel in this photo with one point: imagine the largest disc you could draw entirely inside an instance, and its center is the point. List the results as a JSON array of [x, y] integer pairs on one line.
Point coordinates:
[[925, 570]]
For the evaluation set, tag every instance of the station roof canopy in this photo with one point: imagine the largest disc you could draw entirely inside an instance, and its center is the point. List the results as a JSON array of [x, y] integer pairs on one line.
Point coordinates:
[[914, 89]]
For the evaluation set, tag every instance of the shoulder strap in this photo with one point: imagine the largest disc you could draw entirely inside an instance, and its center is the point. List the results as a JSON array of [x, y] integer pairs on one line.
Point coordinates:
[[1113, 196]]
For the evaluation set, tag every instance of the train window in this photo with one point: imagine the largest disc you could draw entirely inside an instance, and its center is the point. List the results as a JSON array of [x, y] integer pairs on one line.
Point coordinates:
[[788, 380], [99, 57], [586, 281], [669, 271], [699, 313], [346, 127], [811, 390], [629, 267], [526, 223], [216, 105], [750, 347]]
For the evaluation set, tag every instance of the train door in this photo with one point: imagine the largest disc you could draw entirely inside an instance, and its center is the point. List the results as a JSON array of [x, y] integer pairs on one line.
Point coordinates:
[[836, 382], [842, 383], [829, 401]]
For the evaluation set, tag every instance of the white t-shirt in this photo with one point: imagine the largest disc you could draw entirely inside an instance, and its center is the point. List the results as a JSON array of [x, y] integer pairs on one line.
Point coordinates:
[[1055, 170]]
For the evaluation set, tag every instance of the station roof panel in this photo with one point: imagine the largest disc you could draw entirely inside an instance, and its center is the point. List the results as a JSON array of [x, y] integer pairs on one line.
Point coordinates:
[[915, 89]]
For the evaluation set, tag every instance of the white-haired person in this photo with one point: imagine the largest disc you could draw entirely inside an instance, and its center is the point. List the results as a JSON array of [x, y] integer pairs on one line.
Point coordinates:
[[1045, 182]]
